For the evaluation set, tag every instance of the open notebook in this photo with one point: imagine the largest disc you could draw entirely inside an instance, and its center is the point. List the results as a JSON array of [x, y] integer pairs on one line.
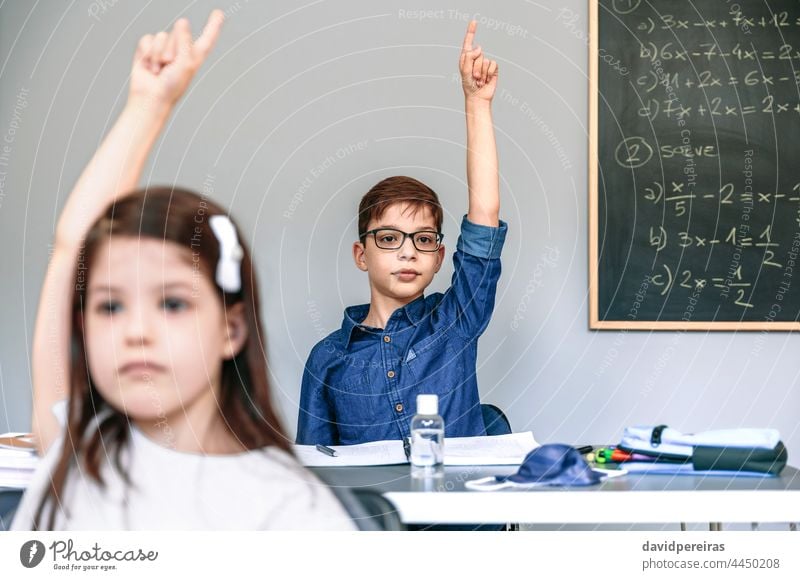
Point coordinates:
[[487, 450]]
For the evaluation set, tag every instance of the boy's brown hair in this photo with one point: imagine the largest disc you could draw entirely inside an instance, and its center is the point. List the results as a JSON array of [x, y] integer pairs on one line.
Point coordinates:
[[397, 189]]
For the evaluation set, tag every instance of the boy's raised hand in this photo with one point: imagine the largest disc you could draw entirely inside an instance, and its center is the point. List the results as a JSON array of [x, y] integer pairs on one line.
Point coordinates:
[[165, 63], [478, 74]]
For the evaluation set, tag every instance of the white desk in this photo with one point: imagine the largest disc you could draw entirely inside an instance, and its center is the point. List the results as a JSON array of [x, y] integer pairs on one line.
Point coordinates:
[[633, 498]]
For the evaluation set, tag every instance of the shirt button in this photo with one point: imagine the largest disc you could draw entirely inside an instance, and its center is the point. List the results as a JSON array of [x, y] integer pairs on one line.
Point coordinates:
[[399, 407], [390, 374], [387, 339]]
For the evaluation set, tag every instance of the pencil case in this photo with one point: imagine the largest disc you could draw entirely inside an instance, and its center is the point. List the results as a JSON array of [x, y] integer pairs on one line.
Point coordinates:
[[744, 449]]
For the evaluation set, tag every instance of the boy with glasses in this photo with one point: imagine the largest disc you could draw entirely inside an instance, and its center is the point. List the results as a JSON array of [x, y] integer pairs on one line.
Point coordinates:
[[360, 383]]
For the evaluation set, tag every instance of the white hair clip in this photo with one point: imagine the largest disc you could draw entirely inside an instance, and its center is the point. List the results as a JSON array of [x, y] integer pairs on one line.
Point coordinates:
[[229, 267]]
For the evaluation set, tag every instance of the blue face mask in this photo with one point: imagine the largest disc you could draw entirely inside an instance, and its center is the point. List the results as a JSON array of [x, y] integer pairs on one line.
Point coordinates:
[[551, 464]]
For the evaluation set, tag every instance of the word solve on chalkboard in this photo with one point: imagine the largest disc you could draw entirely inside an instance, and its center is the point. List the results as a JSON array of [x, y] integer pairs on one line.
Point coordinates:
[[694, 184]]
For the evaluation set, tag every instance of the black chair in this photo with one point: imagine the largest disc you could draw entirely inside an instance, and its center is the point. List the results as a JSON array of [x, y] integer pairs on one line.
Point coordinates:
[[9, 500], [381, 511], [368, 509], [495, 420]]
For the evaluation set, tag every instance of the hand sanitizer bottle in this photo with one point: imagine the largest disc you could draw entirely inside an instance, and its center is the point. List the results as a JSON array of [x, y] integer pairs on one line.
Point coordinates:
[[427, 438]]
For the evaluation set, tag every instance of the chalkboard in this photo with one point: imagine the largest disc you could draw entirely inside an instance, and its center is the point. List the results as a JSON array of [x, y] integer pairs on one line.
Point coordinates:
[[694, 172]]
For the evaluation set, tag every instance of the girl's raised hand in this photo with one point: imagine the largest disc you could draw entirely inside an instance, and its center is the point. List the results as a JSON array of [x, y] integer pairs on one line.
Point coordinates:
[[478, 74], [165, 63]]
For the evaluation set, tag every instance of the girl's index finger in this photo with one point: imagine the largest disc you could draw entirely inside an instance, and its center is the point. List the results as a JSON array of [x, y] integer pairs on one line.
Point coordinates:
[[473, 25]]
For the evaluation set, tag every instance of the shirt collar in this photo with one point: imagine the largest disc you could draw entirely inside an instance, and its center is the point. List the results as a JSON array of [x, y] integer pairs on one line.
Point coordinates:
[[354, 315], [415, 310]]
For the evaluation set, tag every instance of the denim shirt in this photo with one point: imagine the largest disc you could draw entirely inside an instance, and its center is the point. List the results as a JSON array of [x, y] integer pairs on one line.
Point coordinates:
[[360, 383]]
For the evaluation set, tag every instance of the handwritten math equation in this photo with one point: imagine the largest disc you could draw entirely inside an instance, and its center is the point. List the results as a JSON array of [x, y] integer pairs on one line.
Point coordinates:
[[709, 192]]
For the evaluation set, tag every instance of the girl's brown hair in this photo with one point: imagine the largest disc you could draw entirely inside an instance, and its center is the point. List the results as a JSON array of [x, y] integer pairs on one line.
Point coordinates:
[[179, 216]]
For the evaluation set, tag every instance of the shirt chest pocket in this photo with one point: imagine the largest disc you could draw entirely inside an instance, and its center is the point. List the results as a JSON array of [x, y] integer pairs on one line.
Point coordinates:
[[436, 364], [356, 401]]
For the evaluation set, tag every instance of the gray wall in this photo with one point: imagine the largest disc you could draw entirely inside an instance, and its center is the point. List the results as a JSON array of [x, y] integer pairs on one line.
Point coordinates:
[[301, 109]]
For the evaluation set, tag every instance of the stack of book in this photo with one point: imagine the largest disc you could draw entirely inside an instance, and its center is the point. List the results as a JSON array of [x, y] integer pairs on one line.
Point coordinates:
[[740, 451], [18, 460]]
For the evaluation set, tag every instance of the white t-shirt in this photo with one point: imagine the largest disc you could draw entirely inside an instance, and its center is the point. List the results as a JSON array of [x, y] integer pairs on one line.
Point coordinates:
[[263, 489]]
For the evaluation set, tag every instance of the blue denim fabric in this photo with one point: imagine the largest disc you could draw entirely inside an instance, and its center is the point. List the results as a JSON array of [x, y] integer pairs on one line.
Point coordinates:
[[361, 384]]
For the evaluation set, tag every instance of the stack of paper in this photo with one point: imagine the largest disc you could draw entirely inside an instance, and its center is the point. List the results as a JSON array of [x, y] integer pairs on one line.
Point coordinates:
[[18, 460], [488, 450]]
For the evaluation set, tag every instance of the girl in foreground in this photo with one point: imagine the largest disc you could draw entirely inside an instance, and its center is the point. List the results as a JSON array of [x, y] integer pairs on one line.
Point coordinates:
[[149, 323]]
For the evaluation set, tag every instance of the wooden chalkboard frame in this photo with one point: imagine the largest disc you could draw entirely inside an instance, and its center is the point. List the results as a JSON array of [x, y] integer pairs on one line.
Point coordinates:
[[594, 310]]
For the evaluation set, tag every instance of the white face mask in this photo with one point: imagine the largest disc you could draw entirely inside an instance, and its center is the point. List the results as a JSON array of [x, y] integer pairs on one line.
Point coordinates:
[[229, 267], [547, 465], [492, 483]]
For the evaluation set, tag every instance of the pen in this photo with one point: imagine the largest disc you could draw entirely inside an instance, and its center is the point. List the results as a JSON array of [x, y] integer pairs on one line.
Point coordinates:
[[584, 449], [326, 450]]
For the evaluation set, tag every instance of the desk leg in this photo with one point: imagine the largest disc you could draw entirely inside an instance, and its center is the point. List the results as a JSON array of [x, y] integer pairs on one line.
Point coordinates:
[[715, 527], [683, 526], [792, 526]]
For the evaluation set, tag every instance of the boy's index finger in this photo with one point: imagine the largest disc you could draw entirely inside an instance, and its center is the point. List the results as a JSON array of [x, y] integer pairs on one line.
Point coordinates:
[[210, 33], [473, 25]]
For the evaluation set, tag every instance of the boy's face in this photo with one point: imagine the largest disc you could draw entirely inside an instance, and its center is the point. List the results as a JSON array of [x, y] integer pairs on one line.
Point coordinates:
[[400, 275]]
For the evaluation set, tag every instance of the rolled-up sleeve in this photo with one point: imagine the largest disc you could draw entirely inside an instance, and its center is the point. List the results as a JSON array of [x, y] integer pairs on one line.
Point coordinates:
[[477, 271], [482, 241]]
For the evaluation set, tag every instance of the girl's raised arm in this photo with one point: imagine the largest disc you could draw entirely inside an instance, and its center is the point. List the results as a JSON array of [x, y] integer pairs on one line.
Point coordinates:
[[163, 67]]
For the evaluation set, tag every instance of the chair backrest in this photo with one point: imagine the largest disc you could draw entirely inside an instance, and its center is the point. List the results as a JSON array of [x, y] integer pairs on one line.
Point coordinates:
[[9, 500], [495, 420], [368, 509]]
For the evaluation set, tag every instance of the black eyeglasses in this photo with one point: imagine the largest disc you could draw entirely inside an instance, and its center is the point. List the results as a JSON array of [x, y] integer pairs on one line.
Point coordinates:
[[391, 239]]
